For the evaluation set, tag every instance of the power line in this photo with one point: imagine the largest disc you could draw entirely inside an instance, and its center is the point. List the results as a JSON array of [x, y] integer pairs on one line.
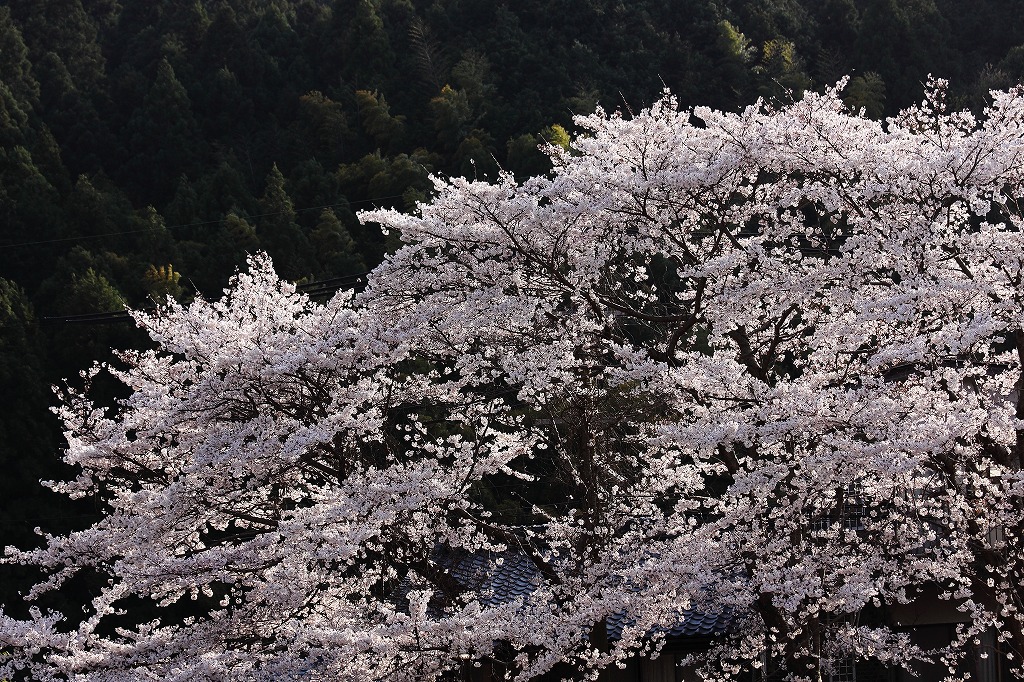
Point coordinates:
[[197, 224], [311, 289]]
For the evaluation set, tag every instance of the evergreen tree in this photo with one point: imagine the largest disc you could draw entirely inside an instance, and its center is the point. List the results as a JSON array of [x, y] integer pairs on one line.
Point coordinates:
[[311, 187], [165, 138], [385, 129], [363, 50], [226, 105], [780, 73], [153, 242], [278, 231], [322, 130], [903, 42], [184, 211], [28, 437], [866, 92], [452, 117], [96, 209], [336, 251], [30, 211], [472, 73], [47, 155], [66, 29], [78, 286], [736, 55], [14, 128], [85, 138], [225, 188], [15, 68], [241, 237]]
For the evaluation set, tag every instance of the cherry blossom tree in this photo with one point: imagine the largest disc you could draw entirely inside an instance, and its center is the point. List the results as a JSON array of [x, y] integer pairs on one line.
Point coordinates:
[[765, 364]]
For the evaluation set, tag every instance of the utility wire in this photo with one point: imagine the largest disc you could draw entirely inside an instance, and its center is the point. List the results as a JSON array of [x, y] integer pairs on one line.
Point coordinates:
[[199, 224], [312, 289]]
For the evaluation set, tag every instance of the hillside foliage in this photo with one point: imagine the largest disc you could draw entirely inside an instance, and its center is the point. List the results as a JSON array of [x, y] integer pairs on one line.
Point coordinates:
[[764, 363]]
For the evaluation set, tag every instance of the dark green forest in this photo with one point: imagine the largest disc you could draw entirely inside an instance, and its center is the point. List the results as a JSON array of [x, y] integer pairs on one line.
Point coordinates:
[[146, 147]]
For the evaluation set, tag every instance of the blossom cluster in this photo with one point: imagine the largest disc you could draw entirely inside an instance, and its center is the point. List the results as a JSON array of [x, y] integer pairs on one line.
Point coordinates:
[[765, 363]]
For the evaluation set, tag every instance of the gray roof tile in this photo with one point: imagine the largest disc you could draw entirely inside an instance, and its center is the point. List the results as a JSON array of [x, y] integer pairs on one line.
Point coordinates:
[[501, 578]]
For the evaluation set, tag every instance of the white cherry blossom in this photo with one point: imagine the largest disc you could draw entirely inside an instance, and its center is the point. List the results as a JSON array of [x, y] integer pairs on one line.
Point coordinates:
[[765, 364]]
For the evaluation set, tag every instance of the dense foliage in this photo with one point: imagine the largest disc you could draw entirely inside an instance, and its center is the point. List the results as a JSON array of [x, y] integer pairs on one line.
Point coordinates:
[[146, 148], [771, 362]]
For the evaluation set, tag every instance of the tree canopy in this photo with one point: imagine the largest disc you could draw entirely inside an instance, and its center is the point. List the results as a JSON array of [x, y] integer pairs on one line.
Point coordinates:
[[770, 362]]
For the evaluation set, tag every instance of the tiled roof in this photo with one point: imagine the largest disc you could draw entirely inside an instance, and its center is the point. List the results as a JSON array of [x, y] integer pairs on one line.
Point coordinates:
[[691, 624], [497, 579], [501, 578]]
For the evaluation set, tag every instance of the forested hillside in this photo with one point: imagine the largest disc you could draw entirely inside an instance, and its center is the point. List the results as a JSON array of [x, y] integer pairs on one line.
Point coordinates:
[[147, 147]]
